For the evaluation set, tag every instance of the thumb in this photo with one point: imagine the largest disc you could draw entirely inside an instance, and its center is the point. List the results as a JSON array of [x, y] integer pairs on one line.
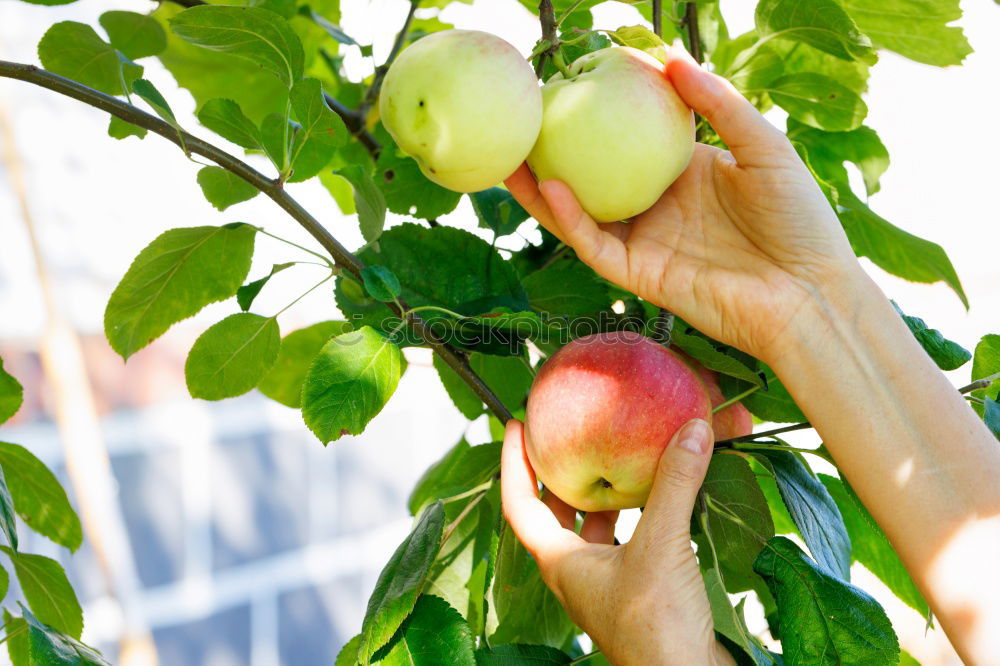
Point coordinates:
[[748, 135], [679, 475]]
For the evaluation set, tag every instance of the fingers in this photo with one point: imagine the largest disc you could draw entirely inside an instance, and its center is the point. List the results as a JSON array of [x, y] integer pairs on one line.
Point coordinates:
[[564, 513], [679, 475], [600, 249], [751, 139], [533, 523], [599, 527], [523, 186]]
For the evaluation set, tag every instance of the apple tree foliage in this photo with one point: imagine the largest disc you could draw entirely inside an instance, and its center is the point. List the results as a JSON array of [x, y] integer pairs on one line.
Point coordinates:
[[268, 77]]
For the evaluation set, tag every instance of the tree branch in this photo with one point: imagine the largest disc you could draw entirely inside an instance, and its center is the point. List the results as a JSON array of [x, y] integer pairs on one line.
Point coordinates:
[[690, 24], [547, 17], [355, 122], [270, 187], [383, 69], [658, 17]]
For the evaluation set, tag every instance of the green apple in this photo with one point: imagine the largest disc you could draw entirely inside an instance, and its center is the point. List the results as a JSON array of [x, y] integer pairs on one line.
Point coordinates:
[[733, 421], [465, 105], [600, 413], [615, 131]]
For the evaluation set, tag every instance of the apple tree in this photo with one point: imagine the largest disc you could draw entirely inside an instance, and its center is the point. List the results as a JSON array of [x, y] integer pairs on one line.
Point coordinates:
[[268, 76]]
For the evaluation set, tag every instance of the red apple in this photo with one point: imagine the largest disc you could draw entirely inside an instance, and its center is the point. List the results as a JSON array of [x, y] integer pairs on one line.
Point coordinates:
[[600, 412], [733, 421]]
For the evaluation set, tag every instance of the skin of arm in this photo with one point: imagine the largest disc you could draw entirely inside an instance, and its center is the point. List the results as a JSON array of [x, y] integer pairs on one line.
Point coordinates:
[[745, 247]]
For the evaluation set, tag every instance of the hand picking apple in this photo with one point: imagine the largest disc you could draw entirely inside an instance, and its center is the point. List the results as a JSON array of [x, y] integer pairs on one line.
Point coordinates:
[[600, 412], [745, 247], [615, 131]]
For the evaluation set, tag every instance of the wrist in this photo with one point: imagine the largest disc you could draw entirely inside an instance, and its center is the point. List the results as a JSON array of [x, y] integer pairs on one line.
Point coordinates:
[[828, 319]]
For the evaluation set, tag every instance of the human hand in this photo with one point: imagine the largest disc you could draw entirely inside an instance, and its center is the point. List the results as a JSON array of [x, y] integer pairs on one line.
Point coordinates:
[[736, 246], [643, 602]]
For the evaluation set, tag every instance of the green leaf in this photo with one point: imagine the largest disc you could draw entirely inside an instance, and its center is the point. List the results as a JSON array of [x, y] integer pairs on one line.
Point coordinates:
[[274, 133], [986, 364], [174, 277], [8, 524], [816, 515], [820, 23], [17, 644], [246, 294], [497, 209], [232, 356], [75, 51], [48, 592], [369, 202], [829, 150], [434, 634], [444, 267], [917, 29], [38, 497], [800, 57], [464, 398], [349, 382], [893, 249], [991, 415], [567, 288], [136, 35], [401, 582], [407, 191], [461, 469], [248, 32], [213, 74], [818, 101], [381, 283], [50, 3], [522, 608], [47, 646], [517, 655], [703, 351], [771, 404], [11, 395], [808, 597], [321, 132], [333, 30], [870, 547], [223, 188], [283, 382], [732, 491], [343, 193], [348, 655], [459, 574], [120, 129], [225, 118], [148, 92], [642, 38], [946, 354]]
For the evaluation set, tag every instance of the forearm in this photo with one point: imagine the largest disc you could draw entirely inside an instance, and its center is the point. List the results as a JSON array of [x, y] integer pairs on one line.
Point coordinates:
[[919, 458]]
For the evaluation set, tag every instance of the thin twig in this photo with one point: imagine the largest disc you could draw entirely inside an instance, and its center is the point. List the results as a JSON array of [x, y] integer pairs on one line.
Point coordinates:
[[547, 17], [976, 385], [658, 17], [270, 187], [690, 24], [723, 443], [383, 69]]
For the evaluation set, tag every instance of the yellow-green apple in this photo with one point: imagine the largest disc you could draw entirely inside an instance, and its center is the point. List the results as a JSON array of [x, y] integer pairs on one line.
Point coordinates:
[[600, 413], [465, 105], [733, 421], [615, 131]]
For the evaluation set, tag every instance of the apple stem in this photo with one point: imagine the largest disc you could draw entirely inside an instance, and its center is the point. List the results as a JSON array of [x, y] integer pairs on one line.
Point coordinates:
[[734, 399], [560, 62]]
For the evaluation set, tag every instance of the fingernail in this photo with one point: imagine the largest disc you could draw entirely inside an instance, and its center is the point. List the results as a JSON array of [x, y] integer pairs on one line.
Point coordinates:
[[695, 436]]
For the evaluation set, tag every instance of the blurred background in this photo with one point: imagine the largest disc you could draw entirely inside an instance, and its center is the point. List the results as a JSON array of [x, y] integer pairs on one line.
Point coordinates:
[[237, 538]]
